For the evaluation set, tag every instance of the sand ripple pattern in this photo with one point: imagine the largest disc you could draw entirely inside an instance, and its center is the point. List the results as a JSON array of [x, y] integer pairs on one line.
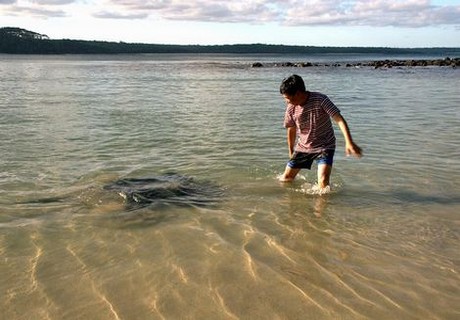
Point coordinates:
[[251, 265]]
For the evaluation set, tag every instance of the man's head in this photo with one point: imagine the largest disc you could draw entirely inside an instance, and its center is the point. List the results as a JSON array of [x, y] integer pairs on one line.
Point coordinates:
[[291, 85], [293, 90]]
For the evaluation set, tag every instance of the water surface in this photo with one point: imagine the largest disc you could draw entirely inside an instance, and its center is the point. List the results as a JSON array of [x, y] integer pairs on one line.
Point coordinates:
[[382, 245]]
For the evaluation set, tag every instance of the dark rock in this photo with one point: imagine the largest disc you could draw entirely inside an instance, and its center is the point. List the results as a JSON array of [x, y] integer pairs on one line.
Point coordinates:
[[166, 190], [377, 64]]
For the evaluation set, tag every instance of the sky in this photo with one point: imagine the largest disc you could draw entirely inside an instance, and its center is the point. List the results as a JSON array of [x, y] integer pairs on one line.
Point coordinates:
[[343, 23]]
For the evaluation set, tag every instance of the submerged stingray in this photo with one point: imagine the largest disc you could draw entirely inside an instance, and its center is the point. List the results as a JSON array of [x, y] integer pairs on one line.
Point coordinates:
[[168, 189]]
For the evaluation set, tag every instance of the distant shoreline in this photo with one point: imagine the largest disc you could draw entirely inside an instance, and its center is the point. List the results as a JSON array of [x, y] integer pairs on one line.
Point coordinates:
[[21, 41]]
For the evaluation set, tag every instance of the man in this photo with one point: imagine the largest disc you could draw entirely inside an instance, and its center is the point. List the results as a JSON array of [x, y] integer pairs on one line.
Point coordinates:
[[308, 121]]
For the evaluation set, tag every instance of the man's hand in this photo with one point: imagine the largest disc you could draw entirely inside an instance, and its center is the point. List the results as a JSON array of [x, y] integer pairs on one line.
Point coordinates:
[[353, 149]]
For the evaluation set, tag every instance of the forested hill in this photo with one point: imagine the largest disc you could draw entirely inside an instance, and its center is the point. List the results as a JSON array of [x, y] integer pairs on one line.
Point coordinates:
[[20, 41]]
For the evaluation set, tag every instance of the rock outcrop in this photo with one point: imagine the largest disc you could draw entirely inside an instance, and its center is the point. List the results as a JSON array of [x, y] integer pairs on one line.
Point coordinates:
[[378, 64]]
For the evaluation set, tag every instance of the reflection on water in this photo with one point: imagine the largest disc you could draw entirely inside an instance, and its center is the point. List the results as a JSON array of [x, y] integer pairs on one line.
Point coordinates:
[[224, 239]]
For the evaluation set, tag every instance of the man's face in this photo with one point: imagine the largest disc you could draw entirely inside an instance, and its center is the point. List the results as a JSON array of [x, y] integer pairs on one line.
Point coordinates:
[[296, 99]]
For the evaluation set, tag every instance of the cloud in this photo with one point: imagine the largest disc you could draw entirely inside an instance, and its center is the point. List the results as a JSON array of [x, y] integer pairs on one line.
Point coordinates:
[[53, 2], [373, 13], [256, 11], [37, 12], [115, 15], [35, 8], [377, 13]]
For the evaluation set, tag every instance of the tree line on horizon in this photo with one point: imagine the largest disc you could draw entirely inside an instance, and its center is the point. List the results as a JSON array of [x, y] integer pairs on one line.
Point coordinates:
[[21, 41]]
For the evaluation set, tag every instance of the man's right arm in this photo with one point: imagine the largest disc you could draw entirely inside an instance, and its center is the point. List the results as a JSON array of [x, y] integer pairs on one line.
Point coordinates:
[[291, 138]]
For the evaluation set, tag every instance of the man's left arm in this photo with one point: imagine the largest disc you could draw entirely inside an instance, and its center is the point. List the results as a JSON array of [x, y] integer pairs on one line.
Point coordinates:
[[350, 147]]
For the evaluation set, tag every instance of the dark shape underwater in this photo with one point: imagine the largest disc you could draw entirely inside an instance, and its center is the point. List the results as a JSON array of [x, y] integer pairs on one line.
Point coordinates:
[[166, 190]]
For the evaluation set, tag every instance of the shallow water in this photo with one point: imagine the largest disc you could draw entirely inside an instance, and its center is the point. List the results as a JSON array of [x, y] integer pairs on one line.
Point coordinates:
[[382, 245]]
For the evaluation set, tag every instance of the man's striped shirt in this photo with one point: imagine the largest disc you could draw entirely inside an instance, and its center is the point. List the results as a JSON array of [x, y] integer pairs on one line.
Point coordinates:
[[313, 123]]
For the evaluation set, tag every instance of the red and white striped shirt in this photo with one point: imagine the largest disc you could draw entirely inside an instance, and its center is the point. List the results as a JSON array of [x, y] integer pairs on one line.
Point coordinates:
[[313, 122]]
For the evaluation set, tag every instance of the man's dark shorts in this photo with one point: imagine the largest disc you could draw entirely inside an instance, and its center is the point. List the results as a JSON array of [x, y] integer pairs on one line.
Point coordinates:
[[302, 160]]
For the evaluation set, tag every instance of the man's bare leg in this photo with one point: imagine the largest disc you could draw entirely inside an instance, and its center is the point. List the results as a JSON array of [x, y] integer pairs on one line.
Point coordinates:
[[289, 174], [324, 175]]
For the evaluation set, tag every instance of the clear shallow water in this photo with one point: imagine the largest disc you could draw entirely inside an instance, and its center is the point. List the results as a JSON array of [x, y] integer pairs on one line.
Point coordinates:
[[382, 245]]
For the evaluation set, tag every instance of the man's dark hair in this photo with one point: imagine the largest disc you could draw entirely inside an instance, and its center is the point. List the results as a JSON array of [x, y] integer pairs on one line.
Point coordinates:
[[291, 85]]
